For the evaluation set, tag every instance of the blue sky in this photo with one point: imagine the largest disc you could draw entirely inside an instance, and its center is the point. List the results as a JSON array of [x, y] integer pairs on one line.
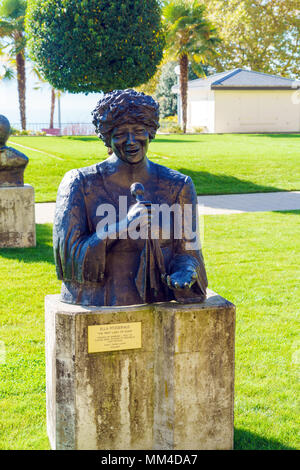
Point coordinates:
[[74, 107]]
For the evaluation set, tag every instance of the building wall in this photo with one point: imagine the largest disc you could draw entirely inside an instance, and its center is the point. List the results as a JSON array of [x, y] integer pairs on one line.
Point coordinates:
[[201, 110], [256, 111]]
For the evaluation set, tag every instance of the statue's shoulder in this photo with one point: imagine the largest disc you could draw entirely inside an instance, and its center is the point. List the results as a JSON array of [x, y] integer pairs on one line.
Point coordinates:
[[83, 178], [170, 175], [102, 169], [81, 175], [14, 155], [17, 153]]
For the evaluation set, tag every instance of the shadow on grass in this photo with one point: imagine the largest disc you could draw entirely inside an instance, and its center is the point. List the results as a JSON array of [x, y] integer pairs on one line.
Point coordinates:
[[171, 140], [245, 440], [42, 252], [293, 212], [277, 136], [87, 138], [209, 184]]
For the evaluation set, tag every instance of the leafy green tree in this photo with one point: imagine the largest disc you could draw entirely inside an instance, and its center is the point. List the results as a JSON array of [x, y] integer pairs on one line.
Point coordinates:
[[163, 92], [13, 41], [190, 38], [95, 45], [263, 35]]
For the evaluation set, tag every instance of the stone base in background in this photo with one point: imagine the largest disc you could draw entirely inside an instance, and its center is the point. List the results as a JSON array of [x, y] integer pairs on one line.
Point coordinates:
[[175, 392], [17, 217]]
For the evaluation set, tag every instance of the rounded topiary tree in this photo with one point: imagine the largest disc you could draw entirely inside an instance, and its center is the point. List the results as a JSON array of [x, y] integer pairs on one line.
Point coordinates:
[[95, 45]]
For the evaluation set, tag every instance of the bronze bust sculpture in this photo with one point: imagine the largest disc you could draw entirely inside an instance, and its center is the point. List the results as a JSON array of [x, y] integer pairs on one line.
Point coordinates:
[[12, 162], [104, 262]]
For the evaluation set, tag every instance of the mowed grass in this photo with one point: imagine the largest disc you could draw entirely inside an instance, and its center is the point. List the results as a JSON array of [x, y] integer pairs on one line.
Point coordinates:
[[252, 260], [218, 164], [26, 276]]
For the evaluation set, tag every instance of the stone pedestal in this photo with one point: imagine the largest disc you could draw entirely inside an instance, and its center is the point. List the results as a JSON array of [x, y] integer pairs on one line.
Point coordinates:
[[174, 392], [17, 217]]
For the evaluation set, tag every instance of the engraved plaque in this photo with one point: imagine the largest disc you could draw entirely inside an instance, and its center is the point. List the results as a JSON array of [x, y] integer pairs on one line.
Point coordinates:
[[114, 337]]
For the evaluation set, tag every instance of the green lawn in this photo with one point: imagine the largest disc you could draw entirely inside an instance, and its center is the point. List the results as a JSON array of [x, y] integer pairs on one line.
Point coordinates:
[[252, 259], [218, 164]]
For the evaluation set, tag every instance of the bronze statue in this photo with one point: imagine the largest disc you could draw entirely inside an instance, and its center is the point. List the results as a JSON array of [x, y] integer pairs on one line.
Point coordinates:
[[12, 162], [136, 257]]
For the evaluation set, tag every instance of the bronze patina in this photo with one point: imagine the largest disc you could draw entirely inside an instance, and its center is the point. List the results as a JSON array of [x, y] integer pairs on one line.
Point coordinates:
[[108, 267], [12, 162]]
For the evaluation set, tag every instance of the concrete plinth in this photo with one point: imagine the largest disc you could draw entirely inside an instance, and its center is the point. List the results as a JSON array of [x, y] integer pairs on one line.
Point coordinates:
[[174, 392], [17, 217]]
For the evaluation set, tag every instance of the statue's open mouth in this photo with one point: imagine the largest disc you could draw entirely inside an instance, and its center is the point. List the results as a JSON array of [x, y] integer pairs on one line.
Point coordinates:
[[132, 151]]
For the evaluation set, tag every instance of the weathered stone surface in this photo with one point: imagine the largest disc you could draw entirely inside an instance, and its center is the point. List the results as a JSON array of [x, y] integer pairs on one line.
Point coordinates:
[[17, 217], [176, 392]]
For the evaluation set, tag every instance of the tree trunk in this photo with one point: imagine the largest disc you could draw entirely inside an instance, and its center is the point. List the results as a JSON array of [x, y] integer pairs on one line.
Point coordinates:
[[183, 83], [52, 108], [21, 78]]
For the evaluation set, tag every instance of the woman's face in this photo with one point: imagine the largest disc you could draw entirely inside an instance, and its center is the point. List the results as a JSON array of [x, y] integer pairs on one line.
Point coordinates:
[[130, 142]]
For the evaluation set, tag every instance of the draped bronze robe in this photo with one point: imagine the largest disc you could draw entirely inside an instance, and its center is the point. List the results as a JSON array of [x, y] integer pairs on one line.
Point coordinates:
[[104, 272]]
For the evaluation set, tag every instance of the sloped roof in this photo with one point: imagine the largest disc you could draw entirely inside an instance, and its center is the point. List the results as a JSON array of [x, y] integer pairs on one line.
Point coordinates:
[[241, 78]]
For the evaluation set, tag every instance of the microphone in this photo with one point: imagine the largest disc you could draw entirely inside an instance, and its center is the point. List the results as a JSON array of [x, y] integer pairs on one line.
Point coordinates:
[[137, 190]]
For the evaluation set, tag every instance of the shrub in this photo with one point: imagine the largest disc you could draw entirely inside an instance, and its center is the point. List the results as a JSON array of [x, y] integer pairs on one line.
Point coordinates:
[[95, 45], [175, 129], [199, 130], [17, 132]]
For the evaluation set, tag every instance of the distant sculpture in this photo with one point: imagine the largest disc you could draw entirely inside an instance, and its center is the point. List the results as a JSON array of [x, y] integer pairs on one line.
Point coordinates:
[[12, 162], [114, 243]]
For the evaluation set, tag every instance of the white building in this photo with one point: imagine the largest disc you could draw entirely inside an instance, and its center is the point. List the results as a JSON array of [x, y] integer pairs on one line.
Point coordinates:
[[243, 101]]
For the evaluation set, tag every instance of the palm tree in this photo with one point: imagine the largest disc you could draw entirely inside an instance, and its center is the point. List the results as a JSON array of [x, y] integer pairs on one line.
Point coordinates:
[[190, 38], [54, 93], [12, 15]]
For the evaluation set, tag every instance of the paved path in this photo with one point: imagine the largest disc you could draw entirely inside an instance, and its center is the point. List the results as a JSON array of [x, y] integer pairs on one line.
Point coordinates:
[[44, 212], [256, 202], [215, 205]]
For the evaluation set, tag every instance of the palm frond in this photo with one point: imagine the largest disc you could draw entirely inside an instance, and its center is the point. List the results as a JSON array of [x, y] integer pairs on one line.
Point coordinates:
[[6, 28], [13, 9], [7, 74], [174, 10]]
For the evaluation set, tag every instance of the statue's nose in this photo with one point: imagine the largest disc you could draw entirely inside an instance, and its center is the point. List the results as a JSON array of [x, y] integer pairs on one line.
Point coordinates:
[[130, 138]]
